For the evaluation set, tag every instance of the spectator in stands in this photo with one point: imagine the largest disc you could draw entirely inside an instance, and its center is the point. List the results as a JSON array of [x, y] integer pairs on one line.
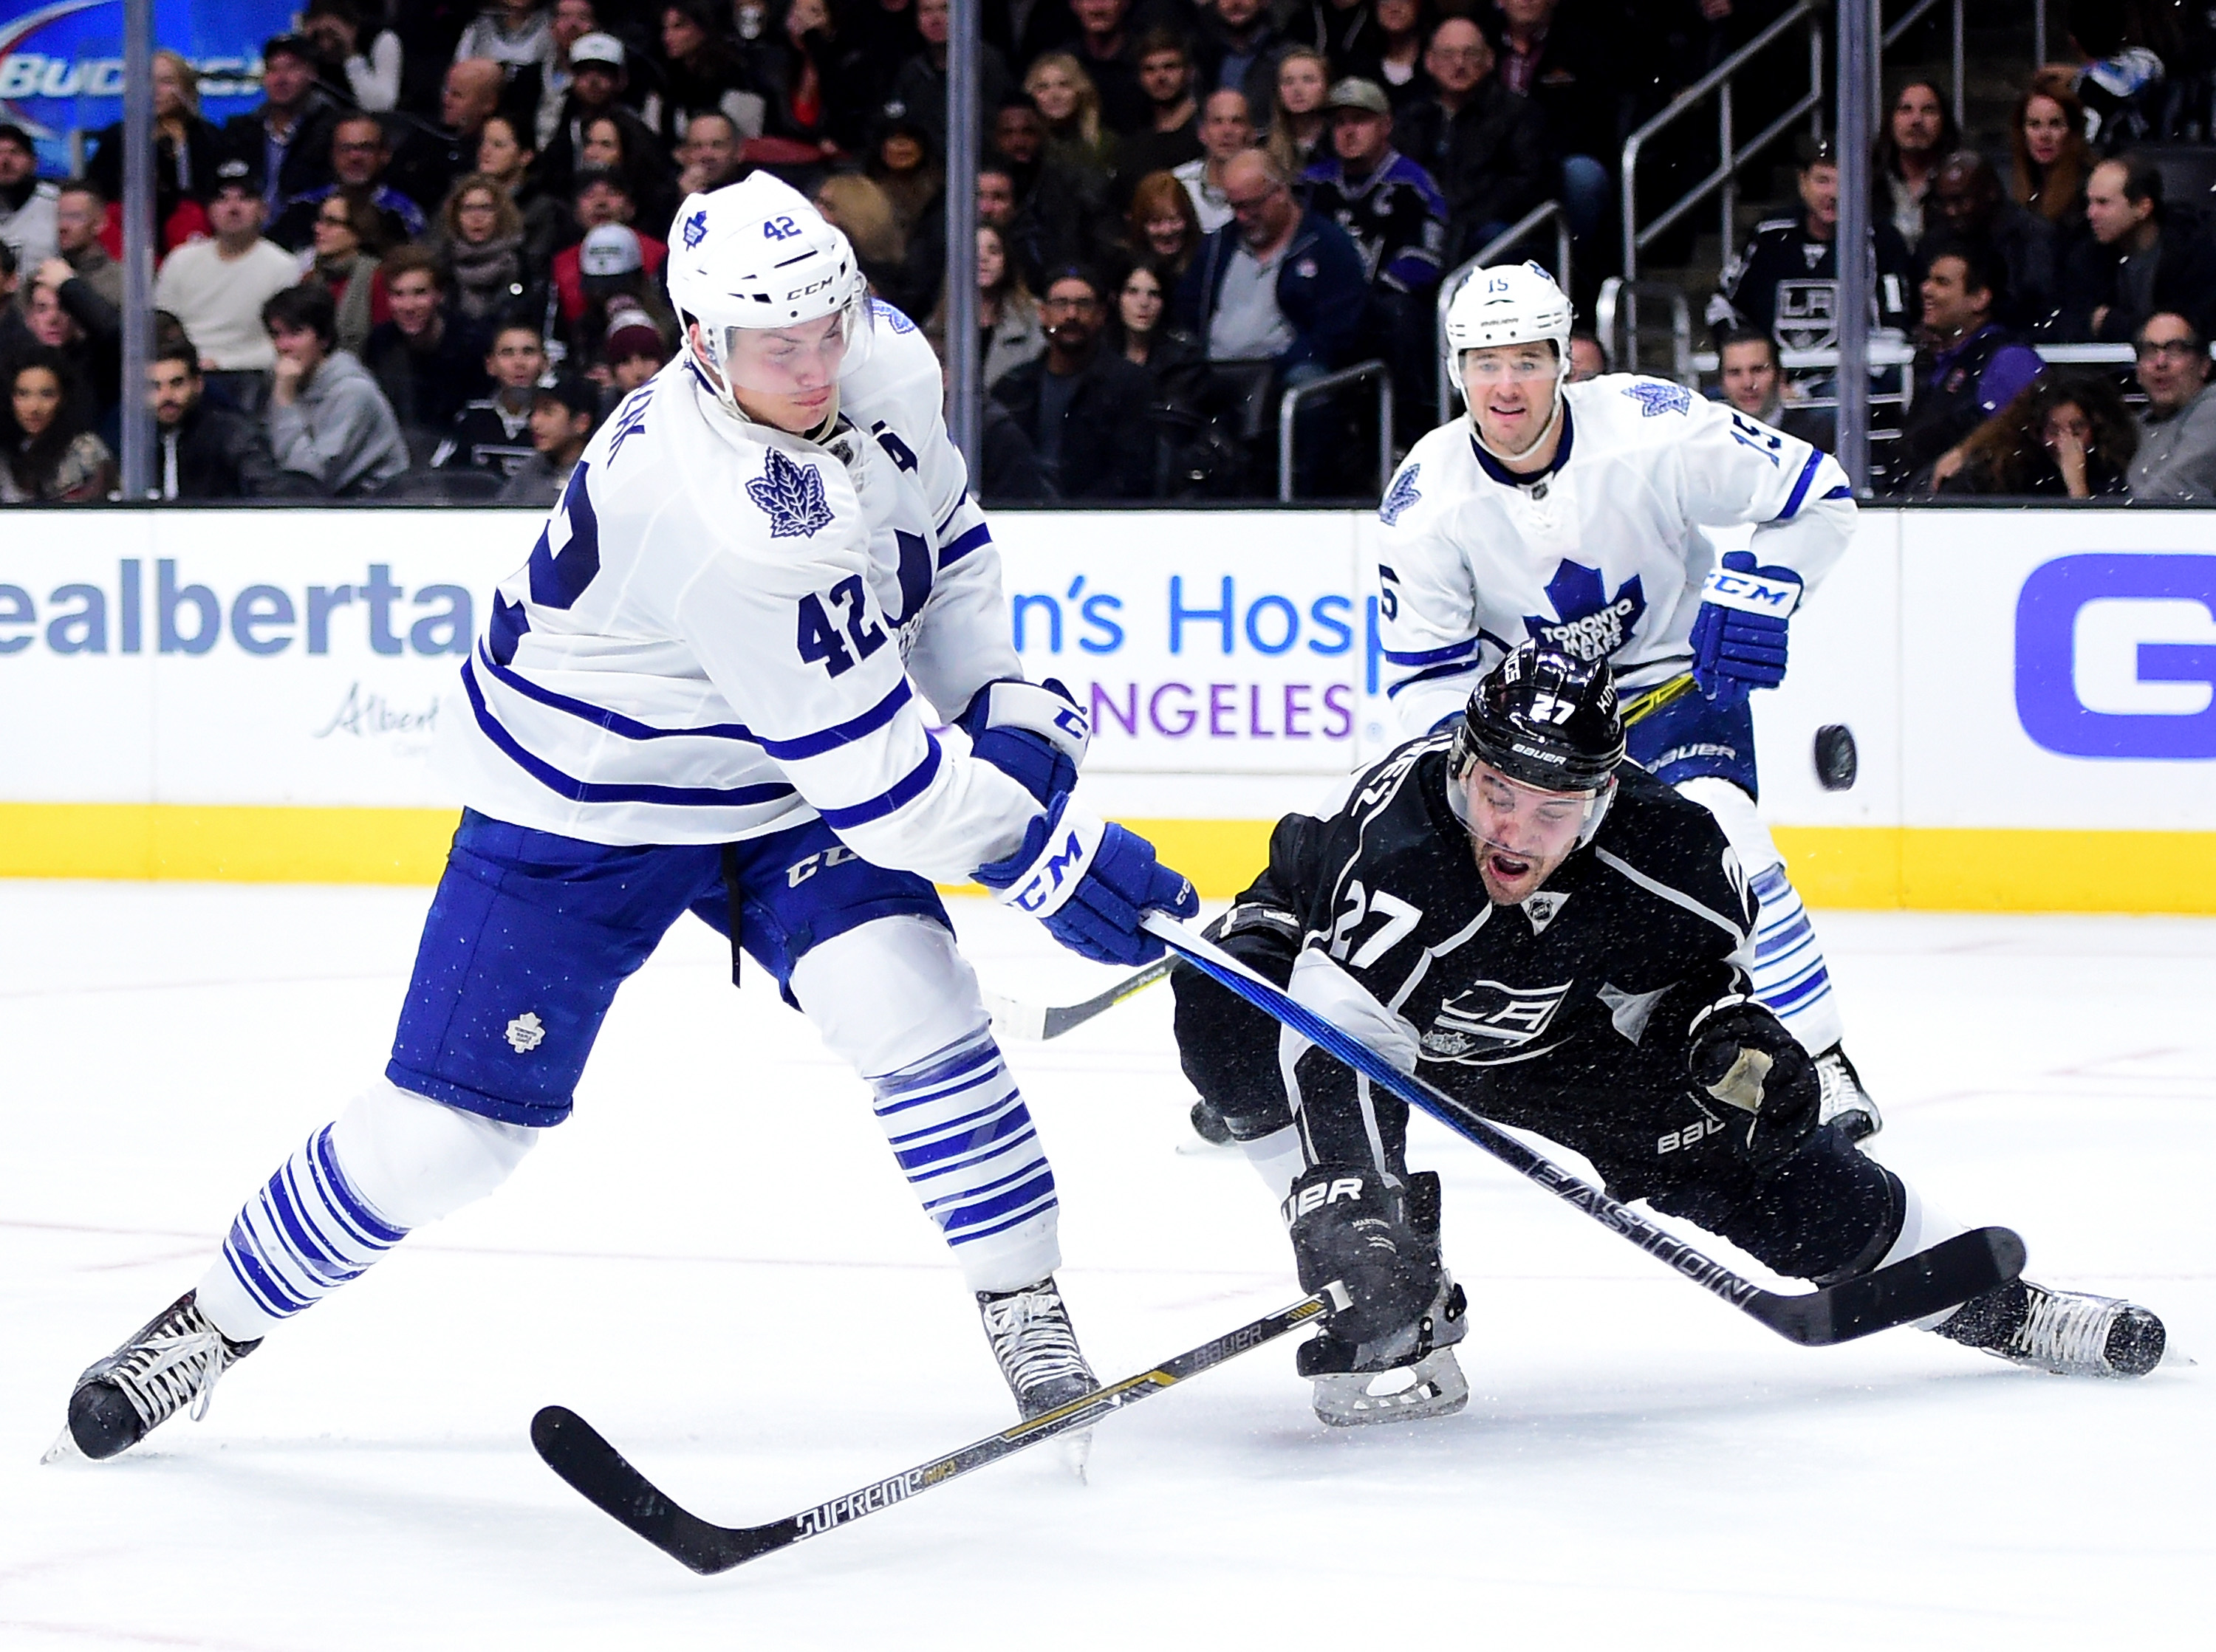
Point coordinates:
[[1010, 331], [203, 450], [27, 205], [2119, 83], [1564, 70], [80, 210], [329, 424], [493, 433], [15, 333], [709, 156], [1300, 124], [67, 313], [1589, 356], [187, 150], [2064, 436], [597, 80], [1346, 33], [920, 87], [905, 276], [1967, 367], [513, 33], [287, 140], [1169, 133], [1397, 219], [1162, 224], [700, 73], [48, 454], [217, 288], [432, 158], [2176, 457], [617, 269], [481, 245], [1088, 412], [2136, 262], [905, 169], [573, 20], [1404, 27], [428, 363], [1237, 51], [813, 76], [1227, 128], [1786, 282], [1484, 145], [359, 156], [883, 34], [504, 160], [611, 146], [371, 72], [1919, 133], [1068, 105], [1752, 382], [1022, 31], [350, 243], [1965, 204], [1139, 330], [1105, 50], [2049, 154], [563, 412], [635, 349]]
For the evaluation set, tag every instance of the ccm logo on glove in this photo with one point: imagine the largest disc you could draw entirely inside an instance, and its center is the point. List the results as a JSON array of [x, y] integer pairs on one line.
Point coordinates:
[[1730, 588]]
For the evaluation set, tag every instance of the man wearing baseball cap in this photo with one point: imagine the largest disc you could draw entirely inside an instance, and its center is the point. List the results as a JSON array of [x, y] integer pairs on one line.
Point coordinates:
[[563, 412], [287, 141], [27, 204], [597, 80], [217, 288]]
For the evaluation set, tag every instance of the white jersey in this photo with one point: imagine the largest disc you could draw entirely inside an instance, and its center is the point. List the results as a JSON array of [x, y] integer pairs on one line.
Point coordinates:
[[1601, 555], [723, 629]]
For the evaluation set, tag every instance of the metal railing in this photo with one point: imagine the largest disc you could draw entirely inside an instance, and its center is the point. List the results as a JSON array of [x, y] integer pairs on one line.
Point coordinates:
[[1492, 250], [1725, 177], [1907, 21], [1616, 318], [1289, 407]]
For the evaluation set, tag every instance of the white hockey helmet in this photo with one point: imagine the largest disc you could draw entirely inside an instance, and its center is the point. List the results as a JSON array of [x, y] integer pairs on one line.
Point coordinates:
[[756, 255], [1506, 303]]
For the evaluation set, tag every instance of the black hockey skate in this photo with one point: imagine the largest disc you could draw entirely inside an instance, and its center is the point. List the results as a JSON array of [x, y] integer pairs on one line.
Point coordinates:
[[1842, 1099], [1350, 1386], [1032, 1339], [2067, 1332], [173, 1362], [1208, 1124]]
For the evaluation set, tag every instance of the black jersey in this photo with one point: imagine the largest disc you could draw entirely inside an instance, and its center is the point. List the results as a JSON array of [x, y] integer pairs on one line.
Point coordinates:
[[1566, 1013], [1786, 284]]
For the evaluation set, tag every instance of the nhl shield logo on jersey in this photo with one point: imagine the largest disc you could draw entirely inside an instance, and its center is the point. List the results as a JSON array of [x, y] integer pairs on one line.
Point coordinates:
[[792, 495], [1540, 909], [1591, 624], [1400, 495]]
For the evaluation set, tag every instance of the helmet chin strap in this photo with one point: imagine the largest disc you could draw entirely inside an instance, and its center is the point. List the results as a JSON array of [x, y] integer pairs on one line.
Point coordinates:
[[1554, 418]]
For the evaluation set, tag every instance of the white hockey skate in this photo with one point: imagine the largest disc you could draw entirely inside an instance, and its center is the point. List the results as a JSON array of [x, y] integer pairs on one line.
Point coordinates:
[[2068, 1333], [172, 1363], [1403, 1378], [1032, 1339], [1841, 1098]]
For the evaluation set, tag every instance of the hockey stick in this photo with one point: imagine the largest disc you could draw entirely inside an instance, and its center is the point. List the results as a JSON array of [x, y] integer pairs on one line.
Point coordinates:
[[1034, 1023], [1929, 1282], [574, 1449]]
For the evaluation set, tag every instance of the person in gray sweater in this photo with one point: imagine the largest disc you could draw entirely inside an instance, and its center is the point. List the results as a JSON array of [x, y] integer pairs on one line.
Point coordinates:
[[2176, 457], [327, 421]]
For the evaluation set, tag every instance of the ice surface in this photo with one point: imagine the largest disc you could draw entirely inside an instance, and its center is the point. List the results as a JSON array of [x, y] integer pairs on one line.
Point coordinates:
[[717, 1263]]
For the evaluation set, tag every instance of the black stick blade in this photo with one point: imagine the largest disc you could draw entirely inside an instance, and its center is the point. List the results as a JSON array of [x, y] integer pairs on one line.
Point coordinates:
[[1947, 1276], [574, 1449]]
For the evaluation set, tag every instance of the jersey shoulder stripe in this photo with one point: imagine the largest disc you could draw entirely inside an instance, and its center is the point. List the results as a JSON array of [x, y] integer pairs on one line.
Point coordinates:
[[1675, 897]]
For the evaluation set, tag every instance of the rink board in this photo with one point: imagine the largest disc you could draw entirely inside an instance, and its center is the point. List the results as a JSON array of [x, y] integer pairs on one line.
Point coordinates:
[[257, 696]]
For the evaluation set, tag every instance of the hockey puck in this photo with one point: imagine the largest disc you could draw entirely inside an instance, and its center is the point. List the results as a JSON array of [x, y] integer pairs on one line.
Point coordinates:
[[1836, 761]]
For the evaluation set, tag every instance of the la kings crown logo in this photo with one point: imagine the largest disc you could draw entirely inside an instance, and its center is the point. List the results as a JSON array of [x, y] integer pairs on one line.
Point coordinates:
[[1489, 1017], [1592, 626]]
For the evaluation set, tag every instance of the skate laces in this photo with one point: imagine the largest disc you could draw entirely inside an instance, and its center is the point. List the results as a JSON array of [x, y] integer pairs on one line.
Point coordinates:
[[176, 1364], [2067, 1329], [1032, 1339]]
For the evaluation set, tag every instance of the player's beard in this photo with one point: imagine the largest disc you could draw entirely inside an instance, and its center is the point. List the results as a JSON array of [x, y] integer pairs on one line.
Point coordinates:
[[1510, 878]]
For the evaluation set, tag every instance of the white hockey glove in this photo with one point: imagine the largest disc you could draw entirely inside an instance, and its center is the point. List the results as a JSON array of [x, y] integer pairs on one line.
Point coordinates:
[[1033, 732]]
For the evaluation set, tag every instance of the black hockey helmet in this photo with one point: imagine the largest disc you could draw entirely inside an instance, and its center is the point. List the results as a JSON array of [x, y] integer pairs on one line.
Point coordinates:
[[1545, 718]]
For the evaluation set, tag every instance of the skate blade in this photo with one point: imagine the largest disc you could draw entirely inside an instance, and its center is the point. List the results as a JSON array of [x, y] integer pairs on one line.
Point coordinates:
[[1195, 1147], [65, 1449], [1076, 1450], [1440, 1389]]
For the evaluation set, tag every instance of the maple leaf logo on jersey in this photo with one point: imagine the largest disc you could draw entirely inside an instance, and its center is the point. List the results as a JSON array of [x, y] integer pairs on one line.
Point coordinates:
[[793, 496], [1655, 397], [1591, 624], [1402, 494], [891, 316]]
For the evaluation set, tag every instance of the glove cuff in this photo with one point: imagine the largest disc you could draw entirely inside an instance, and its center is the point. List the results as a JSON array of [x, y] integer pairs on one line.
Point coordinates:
[[1058, 850]]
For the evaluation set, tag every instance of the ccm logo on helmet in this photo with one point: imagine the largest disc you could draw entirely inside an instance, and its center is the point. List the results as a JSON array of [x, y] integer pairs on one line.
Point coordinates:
[[1319, 1194], [813, 286]]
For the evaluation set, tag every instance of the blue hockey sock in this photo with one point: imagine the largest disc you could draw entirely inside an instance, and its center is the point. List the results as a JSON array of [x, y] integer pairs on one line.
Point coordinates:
[[1790, 975]]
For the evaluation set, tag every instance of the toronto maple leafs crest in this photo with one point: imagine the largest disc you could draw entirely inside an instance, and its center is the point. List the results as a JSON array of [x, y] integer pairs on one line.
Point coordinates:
[[792, 494], [1400, 495], [1589, 623], [1655, 397], [696, 228], [892, 316]]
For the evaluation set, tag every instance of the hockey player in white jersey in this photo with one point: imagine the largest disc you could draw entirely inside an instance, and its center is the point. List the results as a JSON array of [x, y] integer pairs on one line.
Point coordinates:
[[706, 691], [1570, 514]]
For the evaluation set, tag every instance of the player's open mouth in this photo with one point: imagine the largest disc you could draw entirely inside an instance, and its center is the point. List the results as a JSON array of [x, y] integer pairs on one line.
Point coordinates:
[[1506, 868]]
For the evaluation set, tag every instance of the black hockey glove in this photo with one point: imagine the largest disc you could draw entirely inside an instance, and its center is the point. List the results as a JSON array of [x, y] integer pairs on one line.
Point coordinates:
[[1346, 1225], [1741, 1055]]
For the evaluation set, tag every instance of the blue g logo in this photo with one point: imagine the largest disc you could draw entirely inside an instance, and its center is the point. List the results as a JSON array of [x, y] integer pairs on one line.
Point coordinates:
[[2086, 682]]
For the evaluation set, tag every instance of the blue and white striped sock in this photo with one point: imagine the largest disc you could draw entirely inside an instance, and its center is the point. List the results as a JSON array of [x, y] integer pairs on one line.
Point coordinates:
[[965, 1141], [304, 1234], [1790, 975]]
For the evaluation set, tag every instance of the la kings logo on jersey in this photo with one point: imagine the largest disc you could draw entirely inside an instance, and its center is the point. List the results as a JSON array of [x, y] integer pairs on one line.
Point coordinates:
[[1490, 1016], [1592, 625], [1808, 315]]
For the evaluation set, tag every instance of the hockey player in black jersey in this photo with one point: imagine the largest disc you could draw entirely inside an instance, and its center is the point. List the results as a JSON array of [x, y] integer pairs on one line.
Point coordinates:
[[1557, 938]]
